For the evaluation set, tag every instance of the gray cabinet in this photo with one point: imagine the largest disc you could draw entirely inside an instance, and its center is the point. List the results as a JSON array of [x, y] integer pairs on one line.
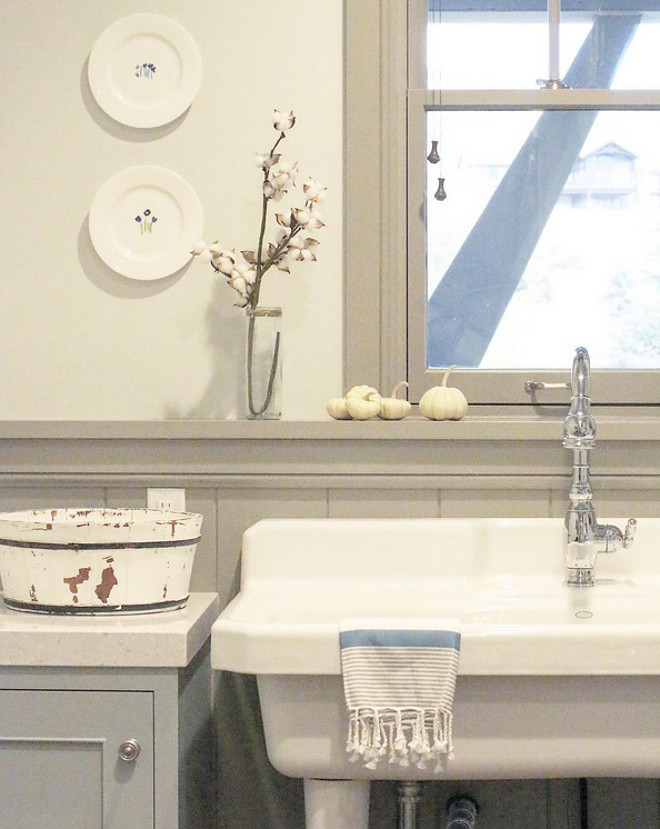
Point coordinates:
[[60, 763], [63, 732]]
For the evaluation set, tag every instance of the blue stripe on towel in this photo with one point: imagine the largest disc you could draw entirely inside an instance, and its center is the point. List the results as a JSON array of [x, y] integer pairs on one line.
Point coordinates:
[[400, 639]]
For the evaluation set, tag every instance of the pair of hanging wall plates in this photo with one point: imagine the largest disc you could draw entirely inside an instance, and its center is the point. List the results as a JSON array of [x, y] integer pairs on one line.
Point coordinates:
[[144, 71]]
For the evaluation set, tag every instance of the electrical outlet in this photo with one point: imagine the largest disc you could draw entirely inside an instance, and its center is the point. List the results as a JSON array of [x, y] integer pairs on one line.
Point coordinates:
[[174, 499]]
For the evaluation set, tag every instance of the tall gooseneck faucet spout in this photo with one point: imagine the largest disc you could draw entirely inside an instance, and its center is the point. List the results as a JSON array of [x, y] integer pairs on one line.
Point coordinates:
[[579, 426], [585, 537]]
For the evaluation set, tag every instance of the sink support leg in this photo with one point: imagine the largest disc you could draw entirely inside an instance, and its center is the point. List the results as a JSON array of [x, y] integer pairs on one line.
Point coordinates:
[[409, 797], [336, 804]]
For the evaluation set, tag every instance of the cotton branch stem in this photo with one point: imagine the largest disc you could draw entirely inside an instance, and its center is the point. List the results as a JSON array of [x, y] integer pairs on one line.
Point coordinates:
[[261, 270]]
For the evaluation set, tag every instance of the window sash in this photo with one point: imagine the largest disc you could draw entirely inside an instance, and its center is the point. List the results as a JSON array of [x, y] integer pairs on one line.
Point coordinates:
[[492, 386], [495, 386]]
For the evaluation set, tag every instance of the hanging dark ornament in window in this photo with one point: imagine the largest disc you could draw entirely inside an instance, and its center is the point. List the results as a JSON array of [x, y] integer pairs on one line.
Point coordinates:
[[433, 157], [440, 193]]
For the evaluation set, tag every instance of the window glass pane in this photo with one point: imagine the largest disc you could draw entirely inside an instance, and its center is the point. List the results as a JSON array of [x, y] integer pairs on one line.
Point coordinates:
[[549, 236], [495, 54], [504, 44], [640, 67]]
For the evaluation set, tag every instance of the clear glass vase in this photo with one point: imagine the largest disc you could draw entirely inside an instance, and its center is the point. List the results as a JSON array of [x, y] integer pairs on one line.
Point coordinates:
[[264, 363]]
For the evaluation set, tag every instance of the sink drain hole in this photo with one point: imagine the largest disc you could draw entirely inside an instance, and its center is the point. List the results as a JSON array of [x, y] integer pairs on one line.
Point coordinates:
[[584, 614]]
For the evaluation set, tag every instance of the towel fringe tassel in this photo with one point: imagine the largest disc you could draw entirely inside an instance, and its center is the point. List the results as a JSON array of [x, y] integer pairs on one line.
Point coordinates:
[[417, 736]]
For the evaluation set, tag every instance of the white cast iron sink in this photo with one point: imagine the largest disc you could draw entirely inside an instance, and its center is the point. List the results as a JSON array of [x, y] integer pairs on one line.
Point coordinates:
[[553, 681]]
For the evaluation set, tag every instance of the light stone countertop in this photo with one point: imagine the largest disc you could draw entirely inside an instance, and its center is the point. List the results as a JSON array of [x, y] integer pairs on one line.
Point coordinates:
[[151, 640]]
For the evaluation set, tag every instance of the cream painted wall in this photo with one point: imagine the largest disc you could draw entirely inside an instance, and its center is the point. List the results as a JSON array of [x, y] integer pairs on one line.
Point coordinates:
[[82, 342]]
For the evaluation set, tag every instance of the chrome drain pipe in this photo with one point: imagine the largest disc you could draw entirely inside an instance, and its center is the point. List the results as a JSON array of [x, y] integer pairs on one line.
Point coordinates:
[[409, 797], [461, 813]]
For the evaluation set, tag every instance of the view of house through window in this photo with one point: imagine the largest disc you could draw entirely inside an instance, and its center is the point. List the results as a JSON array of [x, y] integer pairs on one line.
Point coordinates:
[[543, 227]]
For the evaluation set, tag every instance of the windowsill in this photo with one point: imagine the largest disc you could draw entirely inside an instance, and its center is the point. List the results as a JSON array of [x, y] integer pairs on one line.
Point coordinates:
[[482, 423]]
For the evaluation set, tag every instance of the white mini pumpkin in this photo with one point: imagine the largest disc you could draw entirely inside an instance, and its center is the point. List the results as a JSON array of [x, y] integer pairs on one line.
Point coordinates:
[[362, 402], [362, 392], [442, 403], [336, 408], [392, 408]]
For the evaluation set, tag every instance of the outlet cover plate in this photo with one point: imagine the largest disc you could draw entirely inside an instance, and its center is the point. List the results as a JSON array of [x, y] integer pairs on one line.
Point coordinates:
[[174, 499]]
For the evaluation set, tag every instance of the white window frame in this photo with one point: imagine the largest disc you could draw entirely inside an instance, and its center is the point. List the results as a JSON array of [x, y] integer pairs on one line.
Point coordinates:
[[385, 268]]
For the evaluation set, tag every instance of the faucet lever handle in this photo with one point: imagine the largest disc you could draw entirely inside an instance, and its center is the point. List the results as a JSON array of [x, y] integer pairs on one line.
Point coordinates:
[[629, 533]]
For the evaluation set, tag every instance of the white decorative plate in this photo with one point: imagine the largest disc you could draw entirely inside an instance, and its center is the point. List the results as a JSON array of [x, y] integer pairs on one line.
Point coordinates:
[[144, 70], [144, 222]]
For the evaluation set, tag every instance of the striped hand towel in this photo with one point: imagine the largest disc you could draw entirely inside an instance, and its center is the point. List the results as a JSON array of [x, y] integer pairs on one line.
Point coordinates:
[[399, 681]]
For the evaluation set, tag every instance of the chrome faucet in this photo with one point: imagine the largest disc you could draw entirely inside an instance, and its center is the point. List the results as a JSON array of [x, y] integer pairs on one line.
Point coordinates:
[[585, 537]]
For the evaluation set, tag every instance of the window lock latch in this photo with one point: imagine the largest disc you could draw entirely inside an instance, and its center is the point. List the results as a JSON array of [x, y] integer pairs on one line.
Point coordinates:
[[532, 386]]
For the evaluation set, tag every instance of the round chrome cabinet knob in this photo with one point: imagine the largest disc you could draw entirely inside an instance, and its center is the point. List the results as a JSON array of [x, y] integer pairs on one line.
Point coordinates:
[[129, 750]]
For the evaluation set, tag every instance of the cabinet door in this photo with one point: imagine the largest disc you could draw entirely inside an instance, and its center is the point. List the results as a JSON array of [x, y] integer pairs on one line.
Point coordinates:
[[60, 765]]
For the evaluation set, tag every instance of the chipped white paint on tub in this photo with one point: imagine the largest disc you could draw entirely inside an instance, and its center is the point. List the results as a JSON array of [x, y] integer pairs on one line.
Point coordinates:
[[97, 560]]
